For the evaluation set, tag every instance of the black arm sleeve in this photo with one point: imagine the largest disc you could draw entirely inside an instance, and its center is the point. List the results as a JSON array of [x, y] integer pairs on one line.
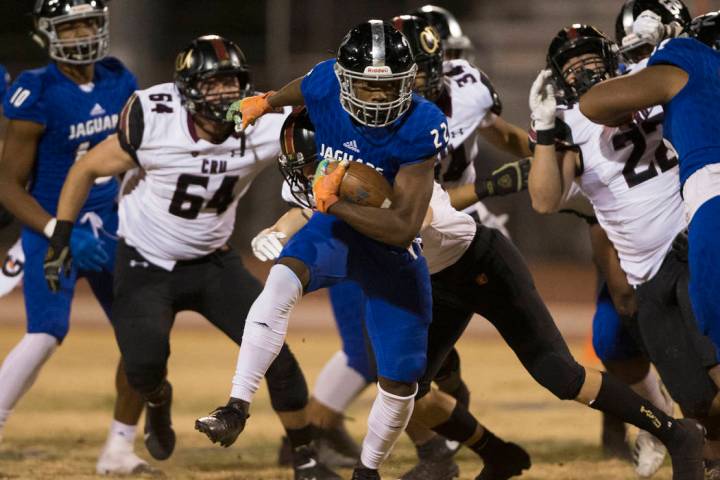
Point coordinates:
[[131, 127]]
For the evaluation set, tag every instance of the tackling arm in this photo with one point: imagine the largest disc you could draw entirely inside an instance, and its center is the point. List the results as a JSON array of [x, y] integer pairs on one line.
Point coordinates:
[[18, 159], [105, 159], [550, 177], [606, 259], [613, 102], [399, 224], [289, 95], [507, 137]]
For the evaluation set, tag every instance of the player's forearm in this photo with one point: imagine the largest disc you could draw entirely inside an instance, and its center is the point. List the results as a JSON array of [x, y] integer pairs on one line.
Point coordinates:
[[75, 191], [288, 96], [464, 196], [508, 138], [23, 206], [292, 221], [382, 224], [545, 180]]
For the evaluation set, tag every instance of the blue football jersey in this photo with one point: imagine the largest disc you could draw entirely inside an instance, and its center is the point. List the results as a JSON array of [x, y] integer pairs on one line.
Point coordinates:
[[4, 81], [419, 134], [75, 117], [692, 117]]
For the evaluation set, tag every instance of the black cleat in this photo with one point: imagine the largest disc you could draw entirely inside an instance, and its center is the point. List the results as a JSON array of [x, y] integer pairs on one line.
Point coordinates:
[[507, 462], [614, 439], [363, 473], [436, 462], [336, 448], [159, 434], [224, 424], [307, 466], [686, 451]]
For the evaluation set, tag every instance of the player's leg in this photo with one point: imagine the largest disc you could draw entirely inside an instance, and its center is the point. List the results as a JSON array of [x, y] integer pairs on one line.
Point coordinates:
[[343, 378], [143, 313], [619, 352], [227, 294], [398, 315], [523, 320], [118, 456], [448, 417], [47, 324], [449, 378]]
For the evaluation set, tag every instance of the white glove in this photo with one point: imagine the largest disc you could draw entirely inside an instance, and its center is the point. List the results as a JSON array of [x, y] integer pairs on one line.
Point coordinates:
[[542, 102], [267, 245], [648, 26]]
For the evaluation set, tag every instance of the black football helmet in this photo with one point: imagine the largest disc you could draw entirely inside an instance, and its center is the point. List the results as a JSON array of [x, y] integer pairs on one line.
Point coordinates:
[[298, 154], [48, 15], [374, 52], [580, 56], [211, 56], [455, 43], [670, 11], [427, 50], [706, 28]]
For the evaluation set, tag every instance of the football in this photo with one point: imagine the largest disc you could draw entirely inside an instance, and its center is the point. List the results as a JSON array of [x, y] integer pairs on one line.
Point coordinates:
[[364, 185]]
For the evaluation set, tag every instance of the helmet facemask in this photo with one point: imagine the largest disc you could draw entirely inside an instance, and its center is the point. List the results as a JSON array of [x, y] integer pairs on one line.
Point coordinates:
[[200, 100], [398, 88], [297, 170], [582, 64], [77, 51]]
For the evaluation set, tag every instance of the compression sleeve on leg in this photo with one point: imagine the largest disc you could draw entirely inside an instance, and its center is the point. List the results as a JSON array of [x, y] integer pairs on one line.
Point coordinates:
[[265, 330], [338, 384]]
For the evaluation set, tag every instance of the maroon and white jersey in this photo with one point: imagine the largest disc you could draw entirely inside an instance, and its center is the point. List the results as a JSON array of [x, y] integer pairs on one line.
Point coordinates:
[[469, 102], [630, 175], [184, 207]]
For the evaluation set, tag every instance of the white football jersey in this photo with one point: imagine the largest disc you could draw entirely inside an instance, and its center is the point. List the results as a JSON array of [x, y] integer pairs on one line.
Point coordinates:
[[448, 235], [630, 175], [469, 102], [184, 207]]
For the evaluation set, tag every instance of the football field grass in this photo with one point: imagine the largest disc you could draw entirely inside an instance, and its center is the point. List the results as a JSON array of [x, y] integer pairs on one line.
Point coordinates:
[[59, 427]]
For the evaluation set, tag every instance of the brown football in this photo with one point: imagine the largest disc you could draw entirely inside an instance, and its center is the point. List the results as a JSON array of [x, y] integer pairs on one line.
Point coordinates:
[[364, 185]]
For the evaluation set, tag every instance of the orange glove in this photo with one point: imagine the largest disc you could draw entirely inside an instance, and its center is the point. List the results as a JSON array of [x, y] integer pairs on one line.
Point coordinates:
[[247, 110], [326, 186]]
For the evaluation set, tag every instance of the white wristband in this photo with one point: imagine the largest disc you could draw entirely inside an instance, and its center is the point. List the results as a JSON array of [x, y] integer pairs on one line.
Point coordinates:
[[50, 227]]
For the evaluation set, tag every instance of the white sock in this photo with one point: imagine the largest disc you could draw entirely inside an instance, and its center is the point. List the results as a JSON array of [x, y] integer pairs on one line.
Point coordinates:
[[649, 388], [265, 330], [123, 430], [388, 418], [21, 367], [338, 384]]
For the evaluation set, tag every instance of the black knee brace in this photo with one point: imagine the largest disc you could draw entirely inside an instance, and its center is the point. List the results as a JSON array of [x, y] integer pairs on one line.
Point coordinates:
[[559, 373], [286, 383]]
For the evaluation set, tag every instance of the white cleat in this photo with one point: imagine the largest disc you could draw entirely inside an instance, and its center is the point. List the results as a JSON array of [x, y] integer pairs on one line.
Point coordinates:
[[648, 454], [118, 458]]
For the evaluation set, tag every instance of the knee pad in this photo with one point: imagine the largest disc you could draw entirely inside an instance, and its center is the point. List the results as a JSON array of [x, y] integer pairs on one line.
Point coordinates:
[[559, 373], [286, 383]]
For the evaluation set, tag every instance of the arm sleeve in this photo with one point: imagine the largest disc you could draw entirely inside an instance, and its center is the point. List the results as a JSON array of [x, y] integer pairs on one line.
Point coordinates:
[[131, 127], [24, 100]]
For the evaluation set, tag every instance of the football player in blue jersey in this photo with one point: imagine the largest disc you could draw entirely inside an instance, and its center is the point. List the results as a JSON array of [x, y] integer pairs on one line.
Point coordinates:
[[364, 110], [5, 217], [56, 113]]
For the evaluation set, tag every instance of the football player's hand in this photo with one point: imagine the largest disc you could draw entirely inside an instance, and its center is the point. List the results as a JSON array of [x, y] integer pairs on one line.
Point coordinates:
[[509, 178], [542, 102], [58, 257], [267, 244], [87, 250], [648, 26], [247, 110], [326, 186]]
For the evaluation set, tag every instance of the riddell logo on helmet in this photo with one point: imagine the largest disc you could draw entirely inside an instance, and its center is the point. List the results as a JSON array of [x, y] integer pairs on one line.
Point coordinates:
[[81, 9], [378, 70]]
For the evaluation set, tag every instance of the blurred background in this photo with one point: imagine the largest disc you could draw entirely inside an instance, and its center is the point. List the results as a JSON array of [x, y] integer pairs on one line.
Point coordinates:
[[285, 38]]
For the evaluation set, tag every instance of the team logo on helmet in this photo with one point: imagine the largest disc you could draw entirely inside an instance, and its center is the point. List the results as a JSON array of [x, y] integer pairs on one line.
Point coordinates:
[[184, 60], [430, 40]]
